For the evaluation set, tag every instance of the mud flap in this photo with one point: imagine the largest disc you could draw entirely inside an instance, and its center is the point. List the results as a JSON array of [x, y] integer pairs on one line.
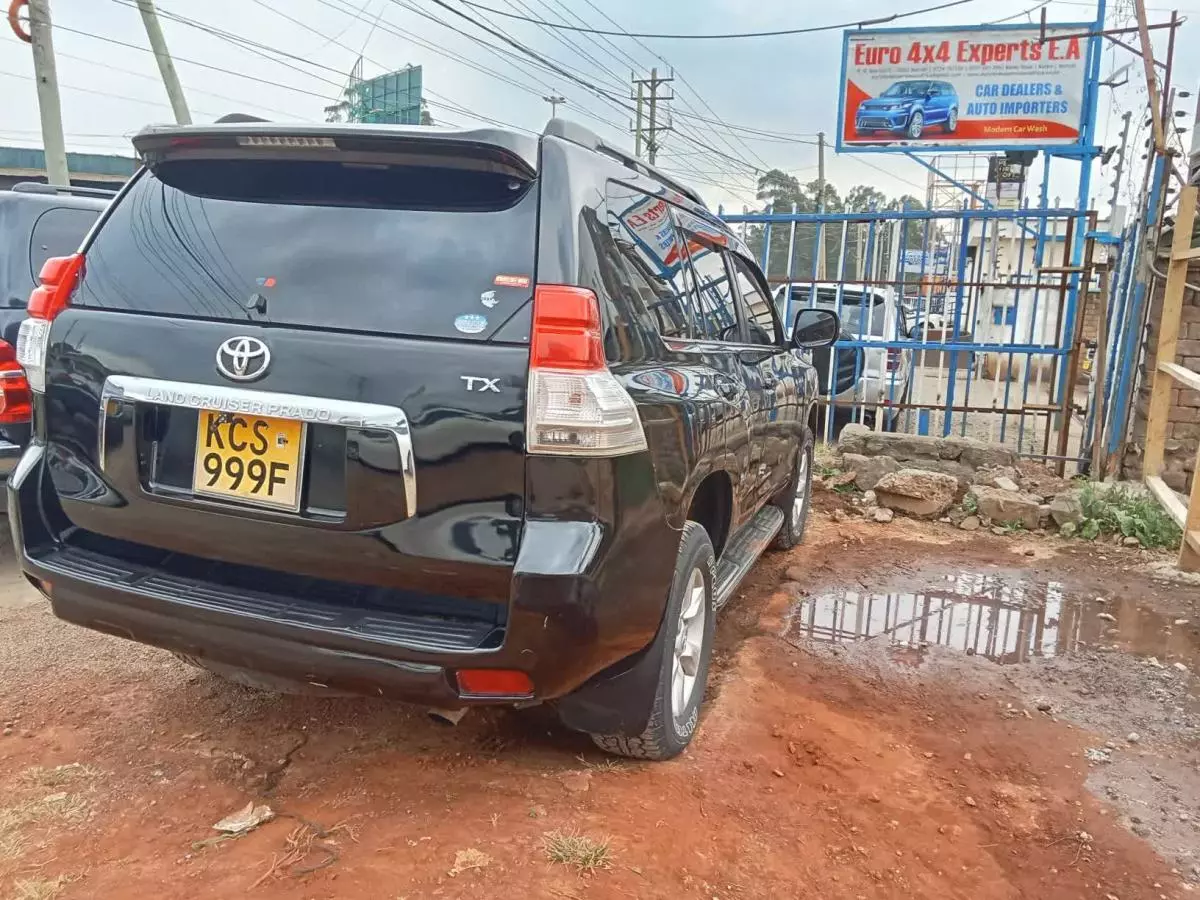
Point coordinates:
[[619, 699]]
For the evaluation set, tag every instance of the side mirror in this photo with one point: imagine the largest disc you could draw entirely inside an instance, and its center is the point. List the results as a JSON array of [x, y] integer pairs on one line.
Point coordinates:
[[815, 328]]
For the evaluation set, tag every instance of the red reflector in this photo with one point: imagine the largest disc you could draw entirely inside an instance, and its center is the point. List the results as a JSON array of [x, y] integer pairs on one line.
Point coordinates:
[[566, 329], [16, 403], [494, 682], [58, 276]]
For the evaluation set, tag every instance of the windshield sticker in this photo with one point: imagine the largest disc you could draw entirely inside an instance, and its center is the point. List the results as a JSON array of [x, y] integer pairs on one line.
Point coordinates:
[[268, 282], [470, 323], [488, 299], [512, 281]]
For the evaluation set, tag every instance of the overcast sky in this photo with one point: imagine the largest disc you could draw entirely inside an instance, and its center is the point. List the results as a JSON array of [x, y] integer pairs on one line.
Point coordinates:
[[785, 84]]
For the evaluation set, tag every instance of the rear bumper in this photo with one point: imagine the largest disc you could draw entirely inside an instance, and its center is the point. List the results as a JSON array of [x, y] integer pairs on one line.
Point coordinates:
[[582, 607]]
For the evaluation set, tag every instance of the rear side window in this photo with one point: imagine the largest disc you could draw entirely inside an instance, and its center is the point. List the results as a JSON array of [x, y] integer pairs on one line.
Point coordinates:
[[387, 248], [651, 253], [719, 320], [57, 232]]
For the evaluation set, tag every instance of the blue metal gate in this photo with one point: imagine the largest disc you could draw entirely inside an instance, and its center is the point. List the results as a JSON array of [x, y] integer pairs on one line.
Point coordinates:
[[963, 321]]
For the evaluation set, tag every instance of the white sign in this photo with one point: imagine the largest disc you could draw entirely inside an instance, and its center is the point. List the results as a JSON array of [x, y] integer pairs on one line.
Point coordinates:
[[962, 87]]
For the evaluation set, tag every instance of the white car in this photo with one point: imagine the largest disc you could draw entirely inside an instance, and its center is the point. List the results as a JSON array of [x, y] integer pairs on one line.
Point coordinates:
[[881, 375]]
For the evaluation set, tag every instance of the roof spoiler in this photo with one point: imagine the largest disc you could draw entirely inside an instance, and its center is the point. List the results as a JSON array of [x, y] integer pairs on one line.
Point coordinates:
[[37, 187], [578, 134]]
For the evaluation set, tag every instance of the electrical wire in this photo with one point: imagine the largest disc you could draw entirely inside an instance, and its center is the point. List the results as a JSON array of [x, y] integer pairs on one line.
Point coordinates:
[[859, 23]]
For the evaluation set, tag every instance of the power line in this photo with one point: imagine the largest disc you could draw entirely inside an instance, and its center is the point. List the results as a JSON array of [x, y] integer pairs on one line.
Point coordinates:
[[727, 36], [83, 90]]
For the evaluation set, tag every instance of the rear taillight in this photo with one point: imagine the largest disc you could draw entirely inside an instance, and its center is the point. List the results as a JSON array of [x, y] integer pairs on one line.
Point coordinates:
[[576, 406], [58, 278], [894, 359], [16, 404]]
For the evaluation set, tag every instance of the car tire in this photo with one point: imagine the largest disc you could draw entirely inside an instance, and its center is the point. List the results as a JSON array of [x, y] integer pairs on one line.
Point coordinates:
[[675, 711], [796, 499], [915, 125], [952, 121]]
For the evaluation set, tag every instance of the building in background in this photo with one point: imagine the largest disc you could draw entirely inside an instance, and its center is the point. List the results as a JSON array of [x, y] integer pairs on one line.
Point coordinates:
[[94, 170]]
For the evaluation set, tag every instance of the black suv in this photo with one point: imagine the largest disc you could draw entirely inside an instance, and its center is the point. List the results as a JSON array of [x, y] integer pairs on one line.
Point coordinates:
[[458, 417], [37, 221]]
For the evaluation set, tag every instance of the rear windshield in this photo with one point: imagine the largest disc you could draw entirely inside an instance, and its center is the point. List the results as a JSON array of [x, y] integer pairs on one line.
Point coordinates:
[[395, 249]]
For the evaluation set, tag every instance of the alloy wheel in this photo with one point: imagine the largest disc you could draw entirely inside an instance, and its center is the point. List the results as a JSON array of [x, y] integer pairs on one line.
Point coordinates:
[[689, 643], [800, 501]]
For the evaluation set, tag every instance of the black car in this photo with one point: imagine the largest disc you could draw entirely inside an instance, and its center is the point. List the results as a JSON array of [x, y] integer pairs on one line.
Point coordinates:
[[37, 222], [457, 417]]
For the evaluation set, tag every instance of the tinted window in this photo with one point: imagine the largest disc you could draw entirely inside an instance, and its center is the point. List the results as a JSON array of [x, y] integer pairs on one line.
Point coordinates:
[[392, 248], [652, 252], [57, 232], [759, 317], [719, 319]]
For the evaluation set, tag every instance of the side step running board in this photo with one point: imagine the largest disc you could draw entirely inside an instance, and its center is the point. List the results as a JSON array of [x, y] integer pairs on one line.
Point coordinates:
[[743, 550]]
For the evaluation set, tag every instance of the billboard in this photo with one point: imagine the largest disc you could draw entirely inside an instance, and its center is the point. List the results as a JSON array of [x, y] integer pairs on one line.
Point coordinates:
[[391, 99], [924, 89]]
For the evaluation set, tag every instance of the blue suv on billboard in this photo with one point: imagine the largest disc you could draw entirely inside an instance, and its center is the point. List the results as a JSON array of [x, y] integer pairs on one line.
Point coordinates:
[[908, 108]]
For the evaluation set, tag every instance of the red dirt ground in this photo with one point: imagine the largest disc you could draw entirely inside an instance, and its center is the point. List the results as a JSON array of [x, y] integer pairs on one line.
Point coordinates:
[[809, 778]]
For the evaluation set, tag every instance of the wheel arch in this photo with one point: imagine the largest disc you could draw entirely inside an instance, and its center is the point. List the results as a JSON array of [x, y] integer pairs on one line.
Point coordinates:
[[711, 505]]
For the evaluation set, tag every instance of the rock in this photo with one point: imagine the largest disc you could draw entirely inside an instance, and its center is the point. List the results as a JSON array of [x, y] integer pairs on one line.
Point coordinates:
[[1107, 617], [1068, 529], [988, 474], [1006, 484], [838, 515], [1042, 704], [576, 782], [1044, 520], [1133, 737], [1006, 506], [795, 573], [970, 801], [970, 523], [868, 470], [1131, 541], [870, 499], [917, 492], [1065, 508], [883, 515], [999, 531], [777, 773], [1181, 667], [1184, 817], [245, 819], [1141, 831], [839, 479]]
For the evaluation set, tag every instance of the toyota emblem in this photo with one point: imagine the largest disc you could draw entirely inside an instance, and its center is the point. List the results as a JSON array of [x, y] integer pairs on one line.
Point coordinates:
[[243, 358]]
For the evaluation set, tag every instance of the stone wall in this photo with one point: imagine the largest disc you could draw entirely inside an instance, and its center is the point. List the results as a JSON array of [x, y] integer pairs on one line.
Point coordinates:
[[1183, 428]]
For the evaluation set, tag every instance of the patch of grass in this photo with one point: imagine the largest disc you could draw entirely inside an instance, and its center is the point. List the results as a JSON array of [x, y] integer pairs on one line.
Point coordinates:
[[41, 888], [573, 849], [1013, 527], [824, 456], [1128, 513], [606, 764], [970, 505], [52, 809], [58, 776]]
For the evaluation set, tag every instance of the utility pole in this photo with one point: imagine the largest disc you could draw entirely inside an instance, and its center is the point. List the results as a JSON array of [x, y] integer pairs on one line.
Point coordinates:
[[820, 204], [47, 92], [637, 131], [166, 66], [1116, 185], [651, 132], [554, 100]]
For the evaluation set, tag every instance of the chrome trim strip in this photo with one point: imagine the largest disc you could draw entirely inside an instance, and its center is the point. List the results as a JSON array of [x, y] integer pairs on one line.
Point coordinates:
[[316, 410]]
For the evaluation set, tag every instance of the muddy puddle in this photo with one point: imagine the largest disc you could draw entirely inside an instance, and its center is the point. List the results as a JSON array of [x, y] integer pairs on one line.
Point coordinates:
[[1004, 619]]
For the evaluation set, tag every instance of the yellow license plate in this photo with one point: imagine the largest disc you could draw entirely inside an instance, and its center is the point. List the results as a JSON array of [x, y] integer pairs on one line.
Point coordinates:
[[254, 459]]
